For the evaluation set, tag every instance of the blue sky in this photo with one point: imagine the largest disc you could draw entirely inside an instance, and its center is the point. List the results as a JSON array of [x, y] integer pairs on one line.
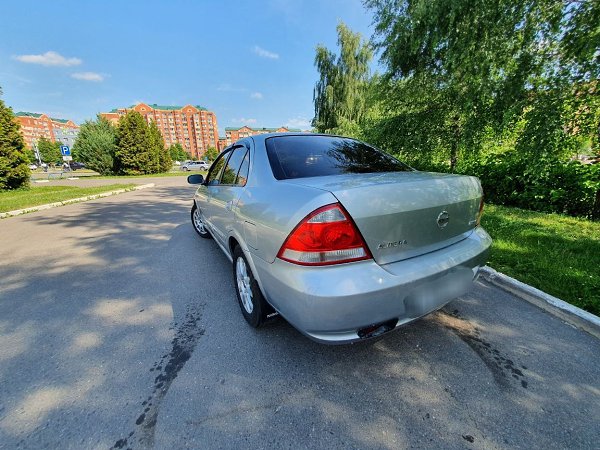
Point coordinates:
[[249, 62]]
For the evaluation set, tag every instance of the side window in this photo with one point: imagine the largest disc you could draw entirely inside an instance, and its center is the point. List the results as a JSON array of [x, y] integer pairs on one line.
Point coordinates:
[[242, 175], [233, 166], [214, 175]]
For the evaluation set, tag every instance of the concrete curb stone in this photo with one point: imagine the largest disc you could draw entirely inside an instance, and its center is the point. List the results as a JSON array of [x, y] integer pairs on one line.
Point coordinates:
[[18, 212], [555, 306]]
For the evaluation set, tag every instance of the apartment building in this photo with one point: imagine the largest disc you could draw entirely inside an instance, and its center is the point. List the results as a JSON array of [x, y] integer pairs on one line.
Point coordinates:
[[194, 127], [35, 126], [233, 134]]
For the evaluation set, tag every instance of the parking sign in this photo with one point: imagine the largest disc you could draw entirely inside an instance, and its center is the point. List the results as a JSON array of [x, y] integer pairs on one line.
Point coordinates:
[[65, 150]]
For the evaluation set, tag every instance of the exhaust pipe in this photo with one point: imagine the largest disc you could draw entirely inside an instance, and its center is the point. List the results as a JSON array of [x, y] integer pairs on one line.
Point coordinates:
[[377, 329]]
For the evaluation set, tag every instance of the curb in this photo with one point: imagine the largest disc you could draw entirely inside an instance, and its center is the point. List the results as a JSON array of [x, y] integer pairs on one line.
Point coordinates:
[[555, 306], [18, 212]]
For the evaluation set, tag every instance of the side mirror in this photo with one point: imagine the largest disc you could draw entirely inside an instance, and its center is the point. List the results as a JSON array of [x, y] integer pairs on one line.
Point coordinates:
[[195, 179]]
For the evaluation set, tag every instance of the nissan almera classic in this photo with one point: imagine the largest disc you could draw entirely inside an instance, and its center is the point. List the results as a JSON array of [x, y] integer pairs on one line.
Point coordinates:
[[341, 239]]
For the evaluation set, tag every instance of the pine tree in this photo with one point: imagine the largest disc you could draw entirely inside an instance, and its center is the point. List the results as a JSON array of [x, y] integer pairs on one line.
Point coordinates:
[[96, 144], [134, 154], [164, 161], [14, 172]]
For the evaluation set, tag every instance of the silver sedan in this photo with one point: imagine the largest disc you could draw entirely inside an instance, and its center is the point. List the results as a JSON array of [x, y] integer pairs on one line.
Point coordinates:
[[341, 239]]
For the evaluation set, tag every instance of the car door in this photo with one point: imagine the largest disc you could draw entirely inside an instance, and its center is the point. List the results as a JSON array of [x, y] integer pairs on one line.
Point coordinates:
[[225, 194]]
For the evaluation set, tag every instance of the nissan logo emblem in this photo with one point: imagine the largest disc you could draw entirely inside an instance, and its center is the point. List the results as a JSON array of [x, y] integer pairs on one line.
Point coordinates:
[[443, 219]]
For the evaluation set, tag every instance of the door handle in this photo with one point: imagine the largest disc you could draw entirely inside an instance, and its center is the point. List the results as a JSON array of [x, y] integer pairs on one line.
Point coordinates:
[[229, 205]]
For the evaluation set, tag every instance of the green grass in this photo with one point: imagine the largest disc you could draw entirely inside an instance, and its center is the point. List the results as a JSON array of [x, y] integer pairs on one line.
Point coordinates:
[[558, 254], [40, 195], [180, 173]]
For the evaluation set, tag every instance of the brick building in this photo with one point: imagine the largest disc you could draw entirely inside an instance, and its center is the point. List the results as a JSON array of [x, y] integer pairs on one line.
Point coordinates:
[[35, 126], [193, 127], [234, 134]]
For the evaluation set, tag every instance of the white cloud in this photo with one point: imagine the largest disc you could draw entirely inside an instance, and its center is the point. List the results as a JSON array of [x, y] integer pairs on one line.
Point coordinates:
[[299, 122], [256, 96], [49, 59], [264, 53], [244, 121], [88, 76]]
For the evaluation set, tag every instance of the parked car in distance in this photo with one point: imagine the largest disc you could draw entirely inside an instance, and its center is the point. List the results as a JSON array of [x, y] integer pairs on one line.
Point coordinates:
[[32, 167], [344, 241], [195, 165], [76, 165]]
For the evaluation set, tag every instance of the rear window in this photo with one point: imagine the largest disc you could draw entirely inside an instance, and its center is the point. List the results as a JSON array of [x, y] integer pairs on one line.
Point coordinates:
[[318, 156]]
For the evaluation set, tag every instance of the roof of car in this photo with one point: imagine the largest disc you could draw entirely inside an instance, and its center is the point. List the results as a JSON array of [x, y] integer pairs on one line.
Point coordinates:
[[263, 137]]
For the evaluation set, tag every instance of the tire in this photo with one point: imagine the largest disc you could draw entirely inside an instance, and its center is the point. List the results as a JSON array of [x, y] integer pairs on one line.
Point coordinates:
[[198, 223], [252, 303]]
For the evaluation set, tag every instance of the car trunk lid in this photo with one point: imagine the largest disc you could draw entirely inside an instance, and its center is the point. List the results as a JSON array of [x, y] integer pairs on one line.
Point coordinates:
[[405, 214]]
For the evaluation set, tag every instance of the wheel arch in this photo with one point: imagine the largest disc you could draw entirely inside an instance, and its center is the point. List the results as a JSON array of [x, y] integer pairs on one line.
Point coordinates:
[[235, 241]]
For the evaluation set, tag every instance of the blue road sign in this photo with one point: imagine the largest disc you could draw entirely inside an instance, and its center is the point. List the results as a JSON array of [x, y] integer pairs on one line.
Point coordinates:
[[65, 150]]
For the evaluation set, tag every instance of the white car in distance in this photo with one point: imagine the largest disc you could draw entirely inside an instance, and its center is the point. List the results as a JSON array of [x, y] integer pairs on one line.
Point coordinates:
[[195, 165]]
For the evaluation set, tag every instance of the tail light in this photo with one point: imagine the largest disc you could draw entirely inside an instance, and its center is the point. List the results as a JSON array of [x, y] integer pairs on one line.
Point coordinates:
[[480, 213], [326, 236]]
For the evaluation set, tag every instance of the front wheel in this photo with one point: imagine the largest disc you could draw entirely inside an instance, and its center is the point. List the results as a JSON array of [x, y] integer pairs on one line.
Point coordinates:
[[198, 223], [252, 303]]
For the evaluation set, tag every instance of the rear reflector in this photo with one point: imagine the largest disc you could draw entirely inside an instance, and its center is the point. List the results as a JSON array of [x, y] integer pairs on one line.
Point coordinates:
[[326, 236]]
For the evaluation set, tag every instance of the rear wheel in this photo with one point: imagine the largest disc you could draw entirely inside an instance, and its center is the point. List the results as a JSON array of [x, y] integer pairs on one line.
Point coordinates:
[[198, 223], [252, 303]]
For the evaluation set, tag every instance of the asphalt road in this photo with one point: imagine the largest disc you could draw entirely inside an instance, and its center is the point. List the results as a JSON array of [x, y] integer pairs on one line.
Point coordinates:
[[119, 328]]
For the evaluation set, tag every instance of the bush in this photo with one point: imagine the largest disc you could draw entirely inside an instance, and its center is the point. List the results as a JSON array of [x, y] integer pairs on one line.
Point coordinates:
[[545, 183], [14, 172]]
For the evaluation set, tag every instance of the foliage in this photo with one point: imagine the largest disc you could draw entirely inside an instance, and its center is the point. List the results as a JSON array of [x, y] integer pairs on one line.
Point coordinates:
[[178, 153], [557, 254], [164, 163], [211, 154], [136, 150], [14, 172], [49, 151], [96, 145], [545, 184], [456, 69], [340, 93]]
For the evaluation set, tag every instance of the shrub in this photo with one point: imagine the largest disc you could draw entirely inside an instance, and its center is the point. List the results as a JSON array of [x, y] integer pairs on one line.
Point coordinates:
[[14, 172]]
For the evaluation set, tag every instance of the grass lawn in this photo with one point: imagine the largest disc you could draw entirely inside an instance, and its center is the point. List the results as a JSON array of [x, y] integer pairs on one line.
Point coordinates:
[[558, 254], [179, 173], [40, 195]]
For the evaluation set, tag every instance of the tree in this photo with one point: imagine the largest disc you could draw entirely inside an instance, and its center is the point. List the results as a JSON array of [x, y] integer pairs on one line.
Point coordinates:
[[458, 69], [14, 172], [211, 154], [49, 151], [96, 145], [178, 153], [163, 157], [339, 94], [134, 153]]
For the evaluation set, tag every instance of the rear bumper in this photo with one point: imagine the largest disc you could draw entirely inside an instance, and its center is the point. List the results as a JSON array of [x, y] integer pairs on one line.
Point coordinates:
[[332, 303]]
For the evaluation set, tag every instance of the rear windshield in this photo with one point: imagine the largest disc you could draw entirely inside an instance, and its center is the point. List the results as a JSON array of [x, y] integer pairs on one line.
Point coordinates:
[[318, 156]]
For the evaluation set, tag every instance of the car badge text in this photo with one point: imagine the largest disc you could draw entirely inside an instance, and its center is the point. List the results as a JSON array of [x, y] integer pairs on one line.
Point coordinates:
[[392, 244]]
